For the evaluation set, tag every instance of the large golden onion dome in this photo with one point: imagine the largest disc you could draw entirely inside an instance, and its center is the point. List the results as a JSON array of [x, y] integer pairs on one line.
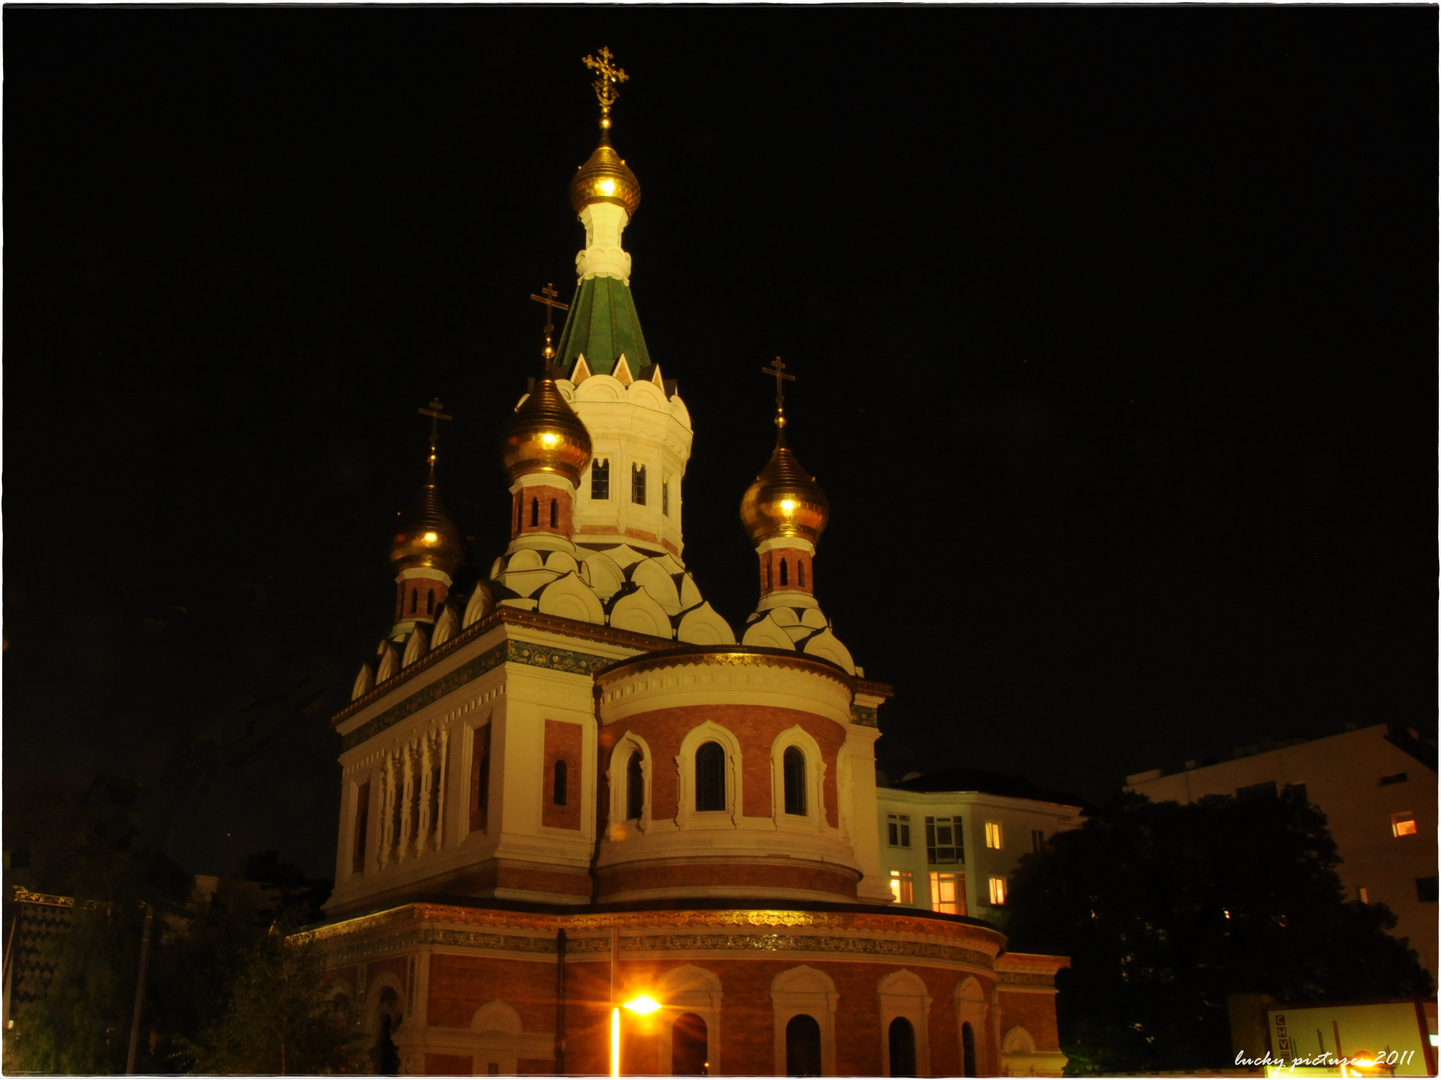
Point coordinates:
[[605, 178], [545, 435], [426, 534], [785, 500]]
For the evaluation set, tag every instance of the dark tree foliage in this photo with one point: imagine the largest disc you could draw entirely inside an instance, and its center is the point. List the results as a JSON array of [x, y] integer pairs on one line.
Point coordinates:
[[1165, 909]]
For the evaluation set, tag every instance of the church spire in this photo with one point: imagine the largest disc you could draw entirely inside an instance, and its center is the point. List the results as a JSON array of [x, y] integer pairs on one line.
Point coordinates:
[[427, 545], [602, 324]]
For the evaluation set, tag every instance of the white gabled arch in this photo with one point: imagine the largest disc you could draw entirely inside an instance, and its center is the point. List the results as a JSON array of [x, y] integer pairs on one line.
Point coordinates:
[[815, 816], [496, 1029], [902, 995], [416, 646], [805, 990], [618, 775], [445, 626], [689, 989], [364, 682], [972, 1008], [686, 813], [480, 604], [374, 993], [703, 625]]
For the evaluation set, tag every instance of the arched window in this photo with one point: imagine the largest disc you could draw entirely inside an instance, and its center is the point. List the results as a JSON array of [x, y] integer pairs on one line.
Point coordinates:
[[784, 582], [519, 509], [384, 1055], [534, 512], [795, 780], [710, 777], [801, 573], [768, 575], [689, 1055], [637, 484], [557, 795], [903, 1047], [968, 1050], [430, 602], [554, 515], [600, 480], [414, 597], [634, 787], [803, 1046]]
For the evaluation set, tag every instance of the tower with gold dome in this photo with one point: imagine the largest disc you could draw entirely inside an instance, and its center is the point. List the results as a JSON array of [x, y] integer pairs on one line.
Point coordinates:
[[577, 784]]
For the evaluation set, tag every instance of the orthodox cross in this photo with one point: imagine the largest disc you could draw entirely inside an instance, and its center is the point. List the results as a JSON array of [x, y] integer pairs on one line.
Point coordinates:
[[609, 76], [436, 416], [548, 298], [779, 371]]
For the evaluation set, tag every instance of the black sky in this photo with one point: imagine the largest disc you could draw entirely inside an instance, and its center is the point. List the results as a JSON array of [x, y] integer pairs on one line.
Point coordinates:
[[1115, 331]]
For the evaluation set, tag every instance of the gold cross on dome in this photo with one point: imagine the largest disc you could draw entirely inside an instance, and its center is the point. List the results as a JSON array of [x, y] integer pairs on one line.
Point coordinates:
[[609, 76], [779, 371], [436, 416], [548, 298]]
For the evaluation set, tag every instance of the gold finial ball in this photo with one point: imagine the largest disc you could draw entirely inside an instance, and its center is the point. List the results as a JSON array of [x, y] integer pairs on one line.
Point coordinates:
[[426, 535], [785, 500], [545, 435], [605, 178]]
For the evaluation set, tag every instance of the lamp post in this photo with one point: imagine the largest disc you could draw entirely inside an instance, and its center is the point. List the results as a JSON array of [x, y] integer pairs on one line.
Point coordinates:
[[643, 1005]]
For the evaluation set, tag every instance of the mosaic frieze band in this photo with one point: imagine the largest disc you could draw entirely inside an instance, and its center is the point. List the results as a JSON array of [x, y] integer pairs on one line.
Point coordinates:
[[864, 716]]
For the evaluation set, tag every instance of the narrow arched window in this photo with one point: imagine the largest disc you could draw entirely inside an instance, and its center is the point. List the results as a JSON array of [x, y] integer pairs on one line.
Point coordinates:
[[637, 484], [710, 777], [430, 602], [414, 598], [480, 779], [768, 574], [600, 479], [634, 787], [689, 1047], [803, 1046], [968, 1049], [557, 795], [519, 509], [793, 764], [554, 515], [534, 512], [784, 582], [902, 1039], [801, 573]]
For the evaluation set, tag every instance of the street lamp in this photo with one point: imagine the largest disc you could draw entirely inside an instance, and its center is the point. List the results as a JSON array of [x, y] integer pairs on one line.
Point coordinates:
[[642, 1005]]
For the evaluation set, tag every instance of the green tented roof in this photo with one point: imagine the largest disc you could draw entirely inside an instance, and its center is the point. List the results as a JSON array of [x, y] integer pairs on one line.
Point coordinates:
[[602, 324]]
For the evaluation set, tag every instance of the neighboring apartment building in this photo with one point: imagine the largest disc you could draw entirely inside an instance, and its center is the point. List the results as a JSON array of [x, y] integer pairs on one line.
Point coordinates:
[[1377, 787], [950, 840]]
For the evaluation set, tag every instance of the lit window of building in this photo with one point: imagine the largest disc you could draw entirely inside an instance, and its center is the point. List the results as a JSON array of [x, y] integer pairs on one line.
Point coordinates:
[[898, 829], [902, 887], [948, 893], [993, 835], [942, 843], [1403, 824], [998, 891]]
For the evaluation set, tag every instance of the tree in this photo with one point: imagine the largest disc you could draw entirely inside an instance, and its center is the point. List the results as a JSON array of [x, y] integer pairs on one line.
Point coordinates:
[[276, 1020], [1165, 909]]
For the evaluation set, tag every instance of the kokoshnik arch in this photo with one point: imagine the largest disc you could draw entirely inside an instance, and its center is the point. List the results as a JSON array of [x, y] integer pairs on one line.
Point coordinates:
[[577, 783]]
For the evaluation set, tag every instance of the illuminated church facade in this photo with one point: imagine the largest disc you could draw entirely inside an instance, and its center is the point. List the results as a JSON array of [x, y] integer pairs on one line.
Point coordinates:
[[579, 784]]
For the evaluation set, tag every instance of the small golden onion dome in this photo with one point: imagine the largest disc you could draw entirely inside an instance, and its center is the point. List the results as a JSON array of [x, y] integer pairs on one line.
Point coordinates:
[[785, 500], [605, 178], [545, 435], [426, 534]]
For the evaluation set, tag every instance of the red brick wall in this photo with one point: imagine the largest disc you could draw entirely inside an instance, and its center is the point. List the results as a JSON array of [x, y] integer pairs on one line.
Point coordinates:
[[449, 1065], [421, 586], [1034, 1012], [755, 726], [520, 507], [562, 743], [461, 984], [555, 881], [795, 559]]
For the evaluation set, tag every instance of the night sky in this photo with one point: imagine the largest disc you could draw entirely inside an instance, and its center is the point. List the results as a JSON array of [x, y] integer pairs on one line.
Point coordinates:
[[1115, 332]]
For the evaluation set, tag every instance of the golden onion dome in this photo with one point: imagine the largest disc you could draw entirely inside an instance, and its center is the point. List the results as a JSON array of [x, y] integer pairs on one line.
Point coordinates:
[[426, 535], [605, 178], [785, 500], [545, 435]]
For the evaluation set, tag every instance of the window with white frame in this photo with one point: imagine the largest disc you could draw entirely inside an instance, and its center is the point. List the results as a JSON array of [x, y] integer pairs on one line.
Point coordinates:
[[898, 830], [943, 840], [903, 889], [948, 893], [998, 891]]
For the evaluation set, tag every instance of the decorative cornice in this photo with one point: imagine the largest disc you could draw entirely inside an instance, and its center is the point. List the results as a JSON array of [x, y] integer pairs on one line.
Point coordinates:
[[585, 631], [22, 895], [725, 656], [880, 689]]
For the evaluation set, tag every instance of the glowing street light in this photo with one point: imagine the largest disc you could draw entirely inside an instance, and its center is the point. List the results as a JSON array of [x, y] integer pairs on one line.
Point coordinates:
[[643, 1005]]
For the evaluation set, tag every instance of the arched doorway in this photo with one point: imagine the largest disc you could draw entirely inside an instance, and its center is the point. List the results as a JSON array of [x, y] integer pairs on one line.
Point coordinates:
[[903, 1047], [384, 1056], [689, 1046], [803, 1046]]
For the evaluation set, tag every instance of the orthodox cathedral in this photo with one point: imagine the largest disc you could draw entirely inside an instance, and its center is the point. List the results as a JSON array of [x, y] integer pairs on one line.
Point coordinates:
[[586, 826]]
